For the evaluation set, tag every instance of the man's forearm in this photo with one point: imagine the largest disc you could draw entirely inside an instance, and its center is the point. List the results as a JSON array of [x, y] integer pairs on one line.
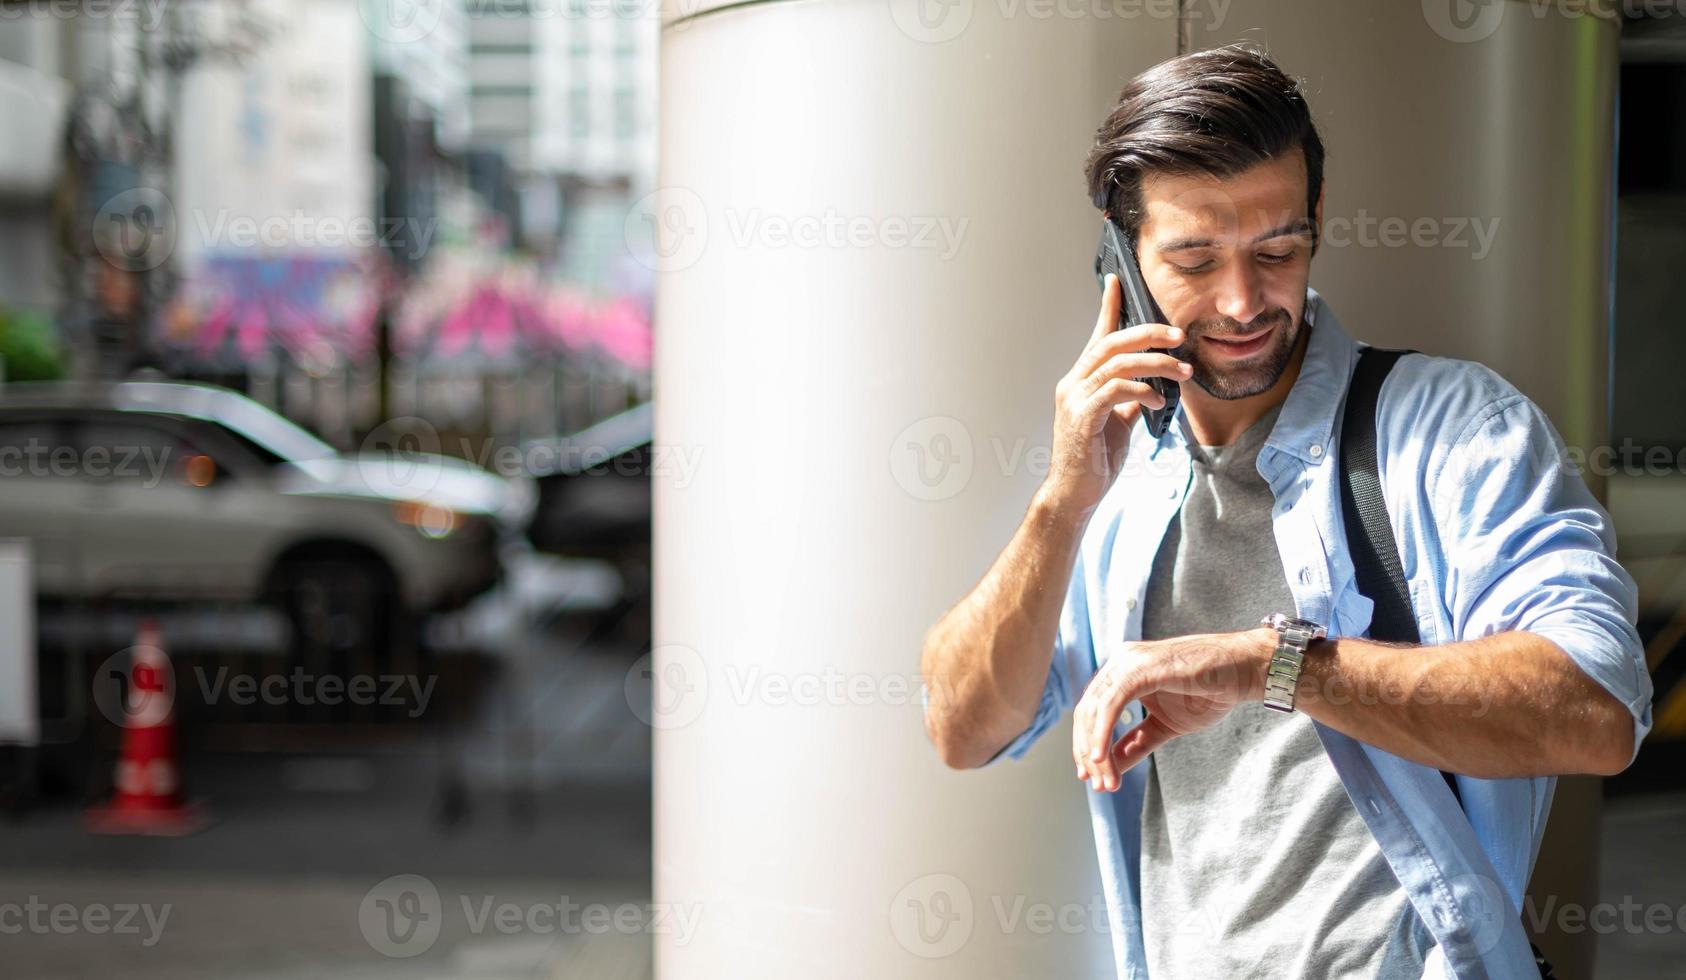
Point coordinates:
[[1507, 705], [986, 662]]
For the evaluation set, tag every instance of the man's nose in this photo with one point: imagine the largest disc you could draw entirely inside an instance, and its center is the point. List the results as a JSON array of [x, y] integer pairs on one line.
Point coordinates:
[[1240, 296]]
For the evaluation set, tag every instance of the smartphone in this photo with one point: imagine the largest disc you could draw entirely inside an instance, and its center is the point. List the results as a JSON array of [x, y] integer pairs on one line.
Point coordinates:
[[1115, 257]]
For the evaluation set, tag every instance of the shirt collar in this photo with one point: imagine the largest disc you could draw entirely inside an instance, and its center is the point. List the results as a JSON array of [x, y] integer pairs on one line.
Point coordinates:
[[1306, 424]]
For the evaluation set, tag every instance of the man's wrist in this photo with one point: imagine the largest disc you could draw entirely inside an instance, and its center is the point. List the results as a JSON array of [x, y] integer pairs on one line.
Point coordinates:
[[1047, 508], [1259, 646]]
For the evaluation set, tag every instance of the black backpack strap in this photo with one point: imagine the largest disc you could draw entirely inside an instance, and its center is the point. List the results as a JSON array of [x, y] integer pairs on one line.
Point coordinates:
[[1369, 536]]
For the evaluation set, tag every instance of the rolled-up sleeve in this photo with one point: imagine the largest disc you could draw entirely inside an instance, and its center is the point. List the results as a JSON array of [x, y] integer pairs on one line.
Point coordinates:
[[1529, 548], [1071, 641]]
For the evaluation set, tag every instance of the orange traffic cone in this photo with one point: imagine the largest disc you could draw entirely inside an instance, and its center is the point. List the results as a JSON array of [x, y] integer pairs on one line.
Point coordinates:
[[149, 797]]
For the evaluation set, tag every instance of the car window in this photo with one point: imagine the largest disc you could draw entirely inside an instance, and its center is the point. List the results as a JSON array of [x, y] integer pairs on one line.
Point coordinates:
[[137, 451]]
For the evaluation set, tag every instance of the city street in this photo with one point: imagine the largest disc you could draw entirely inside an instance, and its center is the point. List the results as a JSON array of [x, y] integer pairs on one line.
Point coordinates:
[[549, 832]]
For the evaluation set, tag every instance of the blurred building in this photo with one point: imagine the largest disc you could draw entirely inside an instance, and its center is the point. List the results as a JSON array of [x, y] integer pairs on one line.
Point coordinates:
[[35, 62], [565, 91]]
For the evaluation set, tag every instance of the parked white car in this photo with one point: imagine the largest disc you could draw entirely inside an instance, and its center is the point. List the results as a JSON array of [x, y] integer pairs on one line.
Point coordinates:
[[187, 492]]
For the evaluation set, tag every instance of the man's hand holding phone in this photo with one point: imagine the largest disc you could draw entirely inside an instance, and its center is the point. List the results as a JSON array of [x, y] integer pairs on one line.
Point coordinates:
[[1098, 401]]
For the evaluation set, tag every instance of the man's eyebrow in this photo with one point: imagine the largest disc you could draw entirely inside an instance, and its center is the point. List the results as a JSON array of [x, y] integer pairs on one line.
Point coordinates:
[[1296, 226]]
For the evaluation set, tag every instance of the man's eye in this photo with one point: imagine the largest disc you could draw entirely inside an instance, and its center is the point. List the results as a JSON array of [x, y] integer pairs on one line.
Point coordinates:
[[1275, 258], [1191, 269]]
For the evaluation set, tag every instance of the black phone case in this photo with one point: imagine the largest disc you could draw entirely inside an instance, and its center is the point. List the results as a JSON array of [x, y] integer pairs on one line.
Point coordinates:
[[1113, 256]]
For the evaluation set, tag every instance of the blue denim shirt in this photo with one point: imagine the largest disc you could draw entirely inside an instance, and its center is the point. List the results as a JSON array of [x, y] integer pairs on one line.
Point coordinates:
[[1497, 532]]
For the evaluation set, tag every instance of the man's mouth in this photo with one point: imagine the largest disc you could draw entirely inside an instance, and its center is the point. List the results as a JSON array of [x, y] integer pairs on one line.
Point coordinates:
[[1241, 346]]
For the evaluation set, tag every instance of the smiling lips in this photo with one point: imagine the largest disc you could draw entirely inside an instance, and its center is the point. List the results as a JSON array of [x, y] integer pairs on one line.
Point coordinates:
[[1240, 347]]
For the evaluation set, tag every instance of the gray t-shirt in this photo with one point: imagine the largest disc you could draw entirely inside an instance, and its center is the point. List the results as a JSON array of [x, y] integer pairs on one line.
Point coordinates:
[[1254, 862]]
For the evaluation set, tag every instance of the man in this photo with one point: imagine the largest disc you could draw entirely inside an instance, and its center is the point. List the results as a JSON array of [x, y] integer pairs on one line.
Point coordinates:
[[1320, 841]]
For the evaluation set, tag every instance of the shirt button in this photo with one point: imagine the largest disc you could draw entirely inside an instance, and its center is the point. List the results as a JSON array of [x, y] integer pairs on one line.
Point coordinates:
[[1316, 450], [1130, 603], [1172, 493]]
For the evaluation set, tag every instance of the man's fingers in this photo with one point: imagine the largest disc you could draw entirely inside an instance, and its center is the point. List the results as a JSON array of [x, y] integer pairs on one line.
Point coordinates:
[[1139, 365], [1122, 684], [1118, 391], [1131, 340], [1139, 742], [1112, 301]]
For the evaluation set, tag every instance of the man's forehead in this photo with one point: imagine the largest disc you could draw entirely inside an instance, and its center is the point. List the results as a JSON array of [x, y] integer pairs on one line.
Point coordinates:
[[1265, 197]]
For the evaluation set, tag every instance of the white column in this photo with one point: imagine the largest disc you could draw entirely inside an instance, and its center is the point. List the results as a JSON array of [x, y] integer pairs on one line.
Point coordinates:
[[880, 240]]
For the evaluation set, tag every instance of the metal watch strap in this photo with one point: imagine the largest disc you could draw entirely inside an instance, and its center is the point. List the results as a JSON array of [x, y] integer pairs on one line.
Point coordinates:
[[1282, 677]]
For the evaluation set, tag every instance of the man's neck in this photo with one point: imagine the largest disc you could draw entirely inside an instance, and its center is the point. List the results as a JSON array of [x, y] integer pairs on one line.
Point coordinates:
[[1219, 422]]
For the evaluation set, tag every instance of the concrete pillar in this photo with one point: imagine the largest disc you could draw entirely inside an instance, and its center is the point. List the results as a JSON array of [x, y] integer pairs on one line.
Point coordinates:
[[803, 363]]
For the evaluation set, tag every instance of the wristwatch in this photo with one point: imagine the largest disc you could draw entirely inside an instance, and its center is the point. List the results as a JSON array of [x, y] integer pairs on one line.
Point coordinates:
[[1283, 676]]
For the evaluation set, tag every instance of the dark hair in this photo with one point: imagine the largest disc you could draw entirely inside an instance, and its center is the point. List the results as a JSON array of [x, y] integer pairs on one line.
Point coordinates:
[[1216, 112]]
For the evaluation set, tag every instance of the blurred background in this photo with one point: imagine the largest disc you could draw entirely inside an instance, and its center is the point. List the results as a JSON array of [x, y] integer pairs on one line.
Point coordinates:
[[337, 318], [327, 444]]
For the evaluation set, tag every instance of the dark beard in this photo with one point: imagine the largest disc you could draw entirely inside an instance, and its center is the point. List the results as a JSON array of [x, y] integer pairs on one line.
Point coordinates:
[[1258, 375]]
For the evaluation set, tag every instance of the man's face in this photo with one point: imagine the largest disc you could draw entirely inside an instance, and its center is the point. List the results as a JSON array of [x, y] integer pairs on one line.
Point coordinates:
[[1228, 260]]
